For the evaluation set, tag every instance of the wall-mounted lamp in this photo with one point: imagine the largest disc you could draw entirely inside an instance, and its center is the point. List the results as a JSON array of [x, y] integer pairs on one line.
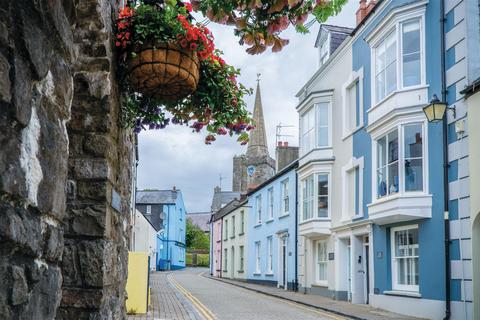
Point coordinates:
[[435, 111]]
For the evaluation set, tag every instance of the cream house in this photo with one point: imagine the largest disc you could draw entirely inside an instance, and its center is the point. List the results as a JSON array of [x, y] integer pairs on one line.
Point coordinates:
[[234, 241]]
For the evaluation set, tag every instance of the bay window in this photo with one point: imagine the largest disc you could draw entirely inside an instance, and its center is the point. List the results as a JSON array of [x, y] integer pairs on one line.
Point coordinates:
[[315, 192], [315, 127], [405, 257], [398, 59], [392, 177]]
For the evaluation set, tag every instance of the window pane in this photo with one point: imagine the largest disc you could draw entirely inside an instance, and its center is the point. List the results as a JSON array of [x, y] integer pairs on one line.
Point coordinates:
[[411, 37], [381, 152], [380, 61], [322, 196], [391, 48], [411, 53], [323, 114], [393, 146], [322, 136], [393, 178], [391, 78], [380, 86], [413, 141], [411, 69]]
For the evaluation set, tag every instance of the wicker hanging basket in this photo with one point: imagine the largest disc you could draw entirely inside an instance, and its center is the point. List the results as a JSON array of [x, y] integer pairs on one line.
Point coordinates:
[[164, 71]]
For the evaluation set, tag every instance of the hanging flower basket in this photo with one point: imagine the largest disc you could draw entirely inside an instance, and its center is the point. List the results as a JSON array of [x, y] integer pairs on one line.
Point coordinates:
[[164, 71]]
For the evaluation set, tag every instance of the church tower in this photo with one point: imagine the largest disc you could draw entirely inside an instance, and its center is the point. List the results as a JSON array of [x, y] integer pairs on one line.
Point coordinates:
[[256, 166]]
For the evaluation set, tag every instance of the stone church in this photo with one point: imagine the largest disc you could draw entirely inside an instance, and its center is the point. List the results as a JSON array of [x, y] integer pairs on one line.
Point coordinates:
[[256, 166]]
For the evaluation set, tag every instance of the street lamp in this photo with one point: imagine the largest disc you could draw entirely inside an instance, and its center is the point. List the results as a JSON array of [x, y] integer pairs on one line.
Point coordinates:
[[435, 111]]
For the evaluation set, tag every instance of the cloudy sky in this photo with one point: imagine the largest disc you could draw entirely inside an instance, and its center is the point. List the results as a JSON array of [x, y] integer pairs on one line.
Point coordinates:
[[177, 157]]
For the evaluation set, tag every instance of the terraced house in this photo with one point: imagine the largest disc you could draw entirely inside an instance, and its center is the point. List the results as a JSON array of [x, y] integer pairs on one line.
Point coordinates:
[[380, 220]]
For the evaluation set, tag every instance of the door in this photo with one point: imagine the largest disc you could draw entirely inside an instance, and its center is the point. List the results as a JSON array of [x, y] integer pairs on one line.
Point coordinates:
[[284, 264]]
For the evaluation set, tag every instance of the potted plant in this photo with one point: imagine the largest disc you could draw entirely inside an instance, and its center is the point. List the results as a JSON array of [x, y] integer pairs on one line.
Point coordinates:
[[170, 72]]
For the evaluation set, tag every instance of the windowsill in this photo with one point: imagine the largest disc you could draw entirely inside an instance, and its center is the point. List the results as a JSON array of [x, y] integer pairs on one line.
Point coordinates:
[[257, 225], [257, 273], [219, 240], [240, 271], [284, 215], [409, 294], [268, 221], [394, 92], [232, 237], [226, 239], [269, 274], [241, 234], [224, 270]]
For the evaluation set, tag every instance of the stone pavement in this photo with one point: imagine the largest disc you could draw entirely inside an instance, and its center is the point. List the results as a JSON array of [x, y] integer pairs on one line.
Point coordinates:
[[343, 308], [166, 302]]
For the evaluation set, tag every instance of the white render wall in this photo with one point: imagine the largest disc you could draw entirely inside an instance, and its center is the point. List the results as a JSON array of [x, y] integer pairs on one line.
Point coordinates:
[[235, 242], [332, 76], [144, 237]]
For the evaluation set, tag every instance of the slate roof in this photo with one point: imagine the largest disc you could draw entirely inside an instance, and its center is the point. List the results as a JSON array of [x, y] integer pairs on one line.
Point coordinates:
[[221, 198], [200, 219], [229, 207], [156, 197], [337, 35]]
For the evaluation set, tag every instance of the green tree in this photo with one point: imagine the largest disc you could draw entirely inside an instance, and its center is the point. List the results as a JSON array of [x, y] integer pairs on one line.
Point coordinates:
[[195, 238]]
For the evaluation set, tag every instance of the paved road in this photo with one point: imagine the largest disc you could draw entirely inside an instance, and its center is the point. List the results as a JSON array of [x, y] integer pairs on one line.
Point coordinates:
[[212, 299]]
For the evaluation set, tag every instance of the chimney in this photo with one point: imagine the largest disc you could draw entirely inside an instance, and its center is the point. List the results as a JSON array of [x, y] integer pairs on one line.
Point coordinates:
[[217, 189], [370, 6], [285, 155], [174, 188], [361, 11]]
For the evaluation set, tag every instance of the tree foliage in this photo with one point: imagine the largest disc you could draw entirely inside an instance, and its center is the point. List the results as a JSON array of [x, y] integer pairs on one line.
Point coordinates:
[[195, 237]]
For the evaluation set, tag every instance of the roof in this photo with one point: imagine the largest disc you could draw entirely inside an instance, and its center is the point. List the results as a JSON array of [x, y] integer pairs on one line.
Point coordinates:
[[200, 219], [338, 34], [221, 198], [291, 166], [156, 196], [366, 17], [229, 207]]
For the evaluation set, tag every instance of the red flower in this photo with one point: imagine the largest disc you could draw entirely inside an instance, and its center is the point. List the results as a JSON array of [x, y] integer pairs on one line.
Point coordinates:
[[193, 46], [183, 43], [188, 6], [117, 44]]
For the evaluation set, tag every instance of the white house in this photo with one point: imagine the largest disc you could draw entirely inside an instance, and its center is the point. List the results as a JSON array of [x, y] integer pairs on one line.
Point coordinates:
[[144, 237]]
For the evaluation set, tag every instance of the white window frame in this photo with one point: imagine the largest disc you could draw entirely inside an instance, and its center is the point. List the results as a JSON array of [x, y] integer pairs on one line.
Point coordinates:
[[242, 222], [149, 209], [258, 265], [315, 108], [284, 185], [225, 260], [351, 166], [356, 77], [381, 32], [233, 227], [258, 208], [395, 285], [270, 200], [324, 45], [269, 255], [319, 281], [225, 236], [398, 125], [242, 257], [315, 196]]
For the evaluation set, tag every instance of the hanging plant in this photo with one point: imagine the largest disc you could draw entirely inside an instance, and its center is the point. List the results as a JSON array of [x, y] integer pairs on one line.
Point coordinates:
[[171, 73], [259, 23]]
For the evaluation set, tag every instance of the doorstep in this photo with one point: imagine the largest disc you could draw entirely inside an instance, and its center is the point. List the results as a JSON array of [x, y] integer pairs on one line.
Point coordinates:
[[342, 308]]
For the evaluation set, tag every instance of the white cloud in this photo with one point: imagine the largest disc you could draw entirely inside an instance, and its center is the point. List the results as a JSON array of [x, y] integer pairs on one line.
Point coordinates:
[[176, 156]]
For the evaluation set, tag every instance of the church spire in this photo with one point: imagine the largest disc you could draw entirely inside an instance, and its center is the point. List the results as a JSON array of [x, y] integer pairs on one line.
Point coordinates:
[[257, 145]]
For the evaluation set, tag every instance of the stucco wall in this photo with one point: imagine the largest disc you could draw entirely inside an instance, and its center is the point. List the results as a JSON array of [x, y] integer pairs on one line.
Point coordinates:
[[236, 240]]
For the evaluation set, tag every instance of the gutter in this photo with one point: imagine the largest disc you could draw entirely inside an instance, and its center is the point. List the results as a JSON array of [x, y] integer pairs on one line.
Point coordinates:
[[445, 167]]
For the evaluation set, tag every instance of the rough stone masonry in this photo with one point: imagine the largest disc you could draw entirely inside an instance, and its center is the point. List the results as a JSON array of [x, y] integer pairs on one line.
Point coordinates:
[[66, 164]]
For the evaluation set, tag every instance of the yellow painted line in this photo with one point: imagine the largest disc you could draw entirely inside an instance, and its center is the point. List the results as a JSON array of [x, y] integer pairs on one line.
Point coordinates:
[[300, 306], [204, 311]]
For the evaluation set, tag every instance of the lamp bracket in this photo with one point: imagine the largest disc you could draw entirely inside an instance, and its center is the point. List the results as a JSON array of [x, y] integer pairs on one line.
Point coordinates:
[[454, 110]]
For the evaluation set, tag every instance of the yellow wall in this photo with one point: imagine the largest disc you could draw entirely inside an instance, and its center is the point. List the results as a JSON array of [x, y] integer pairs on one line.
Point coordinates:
[[474, 161], [137, 282]]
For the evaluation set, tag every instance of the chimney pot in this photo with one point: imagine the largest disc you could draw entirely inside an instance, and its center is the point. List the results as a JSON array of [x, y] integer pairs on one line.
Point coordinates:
[[280, 143], [362, 11], [285, 144]]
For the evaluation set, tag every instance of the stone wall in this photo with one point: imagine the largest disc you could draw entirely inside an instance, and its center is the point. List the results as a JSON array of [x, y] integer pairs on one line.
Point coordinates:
[[60, 138]]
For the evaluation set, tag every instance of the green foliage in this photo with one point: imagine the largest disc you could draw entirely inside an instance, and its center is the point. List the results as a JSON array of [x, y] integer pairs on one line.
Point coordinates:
[[195, 238], [203, 260]]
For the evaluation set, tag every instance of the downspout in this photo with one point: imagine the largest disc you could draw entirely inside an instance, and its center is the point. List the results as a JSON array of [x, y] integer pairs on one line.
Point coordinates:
[[296, 234], [445, 166]]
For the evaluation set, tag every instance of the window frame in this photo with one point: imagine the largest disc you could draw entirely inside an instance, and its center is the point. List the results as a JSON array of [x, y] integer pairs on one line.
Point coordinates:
[[225, 234], [314, 107], [258, 209], [270, 200], [233, 227], [241, 250], [225, 260], [399, 127], [314, 215], [319, 281], [396, 26], [353, 165], [285, 197], [394, 271], [258, 258], [269, 255], [356, 77], [242, 222]]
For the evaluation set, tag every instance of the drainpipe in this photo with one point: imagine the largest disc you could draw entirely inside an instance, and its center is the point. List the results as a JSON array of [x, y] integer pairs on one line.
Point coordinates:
[[445, 166], [295, 286]]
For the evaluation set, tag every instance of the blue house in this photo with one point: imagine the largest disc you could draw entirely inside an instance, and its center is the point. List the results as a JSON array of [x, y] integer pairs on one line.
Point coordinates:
[[165, 209], [272, 232], [397, 49]]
